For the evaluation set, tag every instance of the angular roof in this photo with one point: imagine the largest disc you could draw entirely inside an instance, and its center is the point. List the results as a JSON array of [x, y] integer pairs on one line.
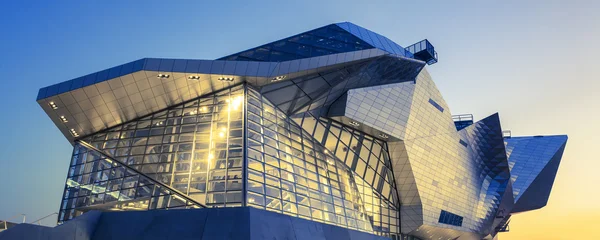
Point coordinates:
[[527, 157], [330, 39], [336, 53], [485, 138]]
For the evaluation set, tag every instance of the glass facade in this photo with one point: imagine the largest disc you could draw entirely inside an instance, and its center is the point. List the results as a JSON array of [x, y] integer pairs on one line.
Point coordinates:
[[197, 148], [369, 160], [96, 181], [290, 172], [322, 41], [338, 125]]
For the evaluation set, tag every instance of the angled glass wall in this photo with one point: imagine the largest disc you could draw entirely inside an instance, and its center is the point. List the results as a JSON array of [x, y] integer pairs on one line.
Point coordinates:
[[368, 158], [198, 149], [291, 173], [195, 148], [98, 182]]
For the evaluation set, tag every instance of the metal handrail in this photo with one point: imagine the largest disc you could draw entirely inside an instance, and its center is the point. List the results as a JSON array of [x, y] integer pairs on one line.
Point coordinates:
[[462, 117], [39, 220], [89, 146], [6, 220]]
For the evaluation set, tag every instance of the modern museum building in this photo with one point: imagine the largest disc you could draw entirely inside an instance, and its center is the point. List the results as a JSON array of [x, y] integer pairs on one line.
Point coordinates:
[[337, 129]]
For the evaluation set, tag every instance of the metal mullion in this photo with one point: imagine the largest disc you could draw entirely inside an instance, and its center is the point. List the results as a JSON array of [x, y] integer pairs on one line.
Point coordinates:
[[262, 135], [156, 182], [397, 204], [210, 146], [193, 148], [144, 163], [65, 187], [244, 146], [228, 129], [176, 150], [130, 154]]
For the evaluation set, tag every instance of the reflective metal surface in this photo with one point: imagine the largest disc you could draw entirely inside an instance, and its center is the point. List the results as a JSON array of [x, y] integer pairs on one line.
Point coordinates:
[[291, 172], [338, 125], [534, 162]]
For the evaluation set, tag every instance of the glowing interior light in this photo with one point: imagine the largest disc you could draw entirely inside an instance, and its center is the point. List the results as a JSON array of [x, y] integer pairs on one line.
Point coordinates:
[[53, 105], [278, 78], [235, 102], [74, 133], [226, 79]]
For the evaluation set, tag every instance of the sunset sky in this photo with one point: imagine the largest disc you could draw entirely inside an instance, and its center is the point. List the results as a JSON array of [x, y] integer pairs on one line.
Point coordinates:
[[535, 62]]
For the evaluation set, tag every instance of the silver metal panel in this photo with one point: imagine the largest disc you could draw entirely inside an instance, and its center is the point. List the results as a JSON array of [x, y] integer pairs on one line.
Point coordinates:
[[115, 101]]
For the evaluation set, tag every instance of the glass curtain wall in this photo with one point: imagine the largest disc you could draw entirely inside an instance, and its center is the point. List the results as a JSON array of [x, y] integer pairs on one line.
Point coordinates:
[[198, 148], [98, 182], [195, 147], [291, 173], [368, 158]]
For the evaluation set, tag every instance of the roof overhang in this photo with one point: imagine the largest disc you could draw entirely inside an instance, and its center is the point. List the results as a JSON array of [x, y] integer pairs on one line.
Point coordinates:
[[105, 99]]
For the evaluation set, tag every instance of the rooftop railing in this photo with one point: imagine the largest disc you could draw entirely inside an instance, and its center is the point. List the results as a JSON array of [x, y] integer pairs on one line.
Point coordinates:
[[424, 51], [462, 117]]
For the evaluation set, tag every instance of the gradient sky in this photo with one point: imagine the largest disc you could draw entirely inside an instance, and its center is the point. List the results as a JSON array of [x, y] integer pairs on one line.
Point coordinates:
[[532, 61]]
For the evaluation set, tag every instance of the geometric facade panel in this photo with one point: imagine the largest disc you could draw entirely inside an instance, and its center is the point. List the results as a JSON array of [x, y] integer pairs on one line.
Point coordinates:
[[337, 125], [291, 172], [386, 107], [368, 158], [528, 156], [486, 141], [534, 163]]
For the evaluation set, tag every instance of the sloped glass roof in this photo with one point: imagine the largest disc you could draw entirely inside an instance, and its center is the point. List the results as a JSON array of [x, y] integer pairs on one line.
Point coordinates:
[[321, 41], [330, 39]]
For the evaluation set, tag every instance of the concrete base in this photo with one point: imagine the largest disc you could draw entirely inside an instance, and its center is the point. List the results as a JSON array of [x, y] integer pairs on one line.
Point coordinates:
[[210, 223]]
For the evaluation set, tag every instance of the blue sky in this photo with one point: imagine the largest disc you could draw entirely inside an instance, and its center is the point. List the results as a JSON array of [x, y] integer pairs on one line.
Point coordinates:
[[532, 61]]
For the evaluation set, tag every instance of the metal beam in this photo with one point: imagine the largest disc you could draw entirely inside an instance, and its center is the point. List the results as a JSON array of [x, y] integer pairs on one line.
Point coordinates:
[[89, 146]]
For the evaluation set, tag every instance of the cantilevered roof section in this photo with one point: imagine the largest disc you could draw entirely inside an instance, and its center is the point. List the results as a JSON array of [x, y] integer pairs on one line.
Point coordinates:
[[330, 39], [374, 39], [104, 99], [533, 165], [325, 40]]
